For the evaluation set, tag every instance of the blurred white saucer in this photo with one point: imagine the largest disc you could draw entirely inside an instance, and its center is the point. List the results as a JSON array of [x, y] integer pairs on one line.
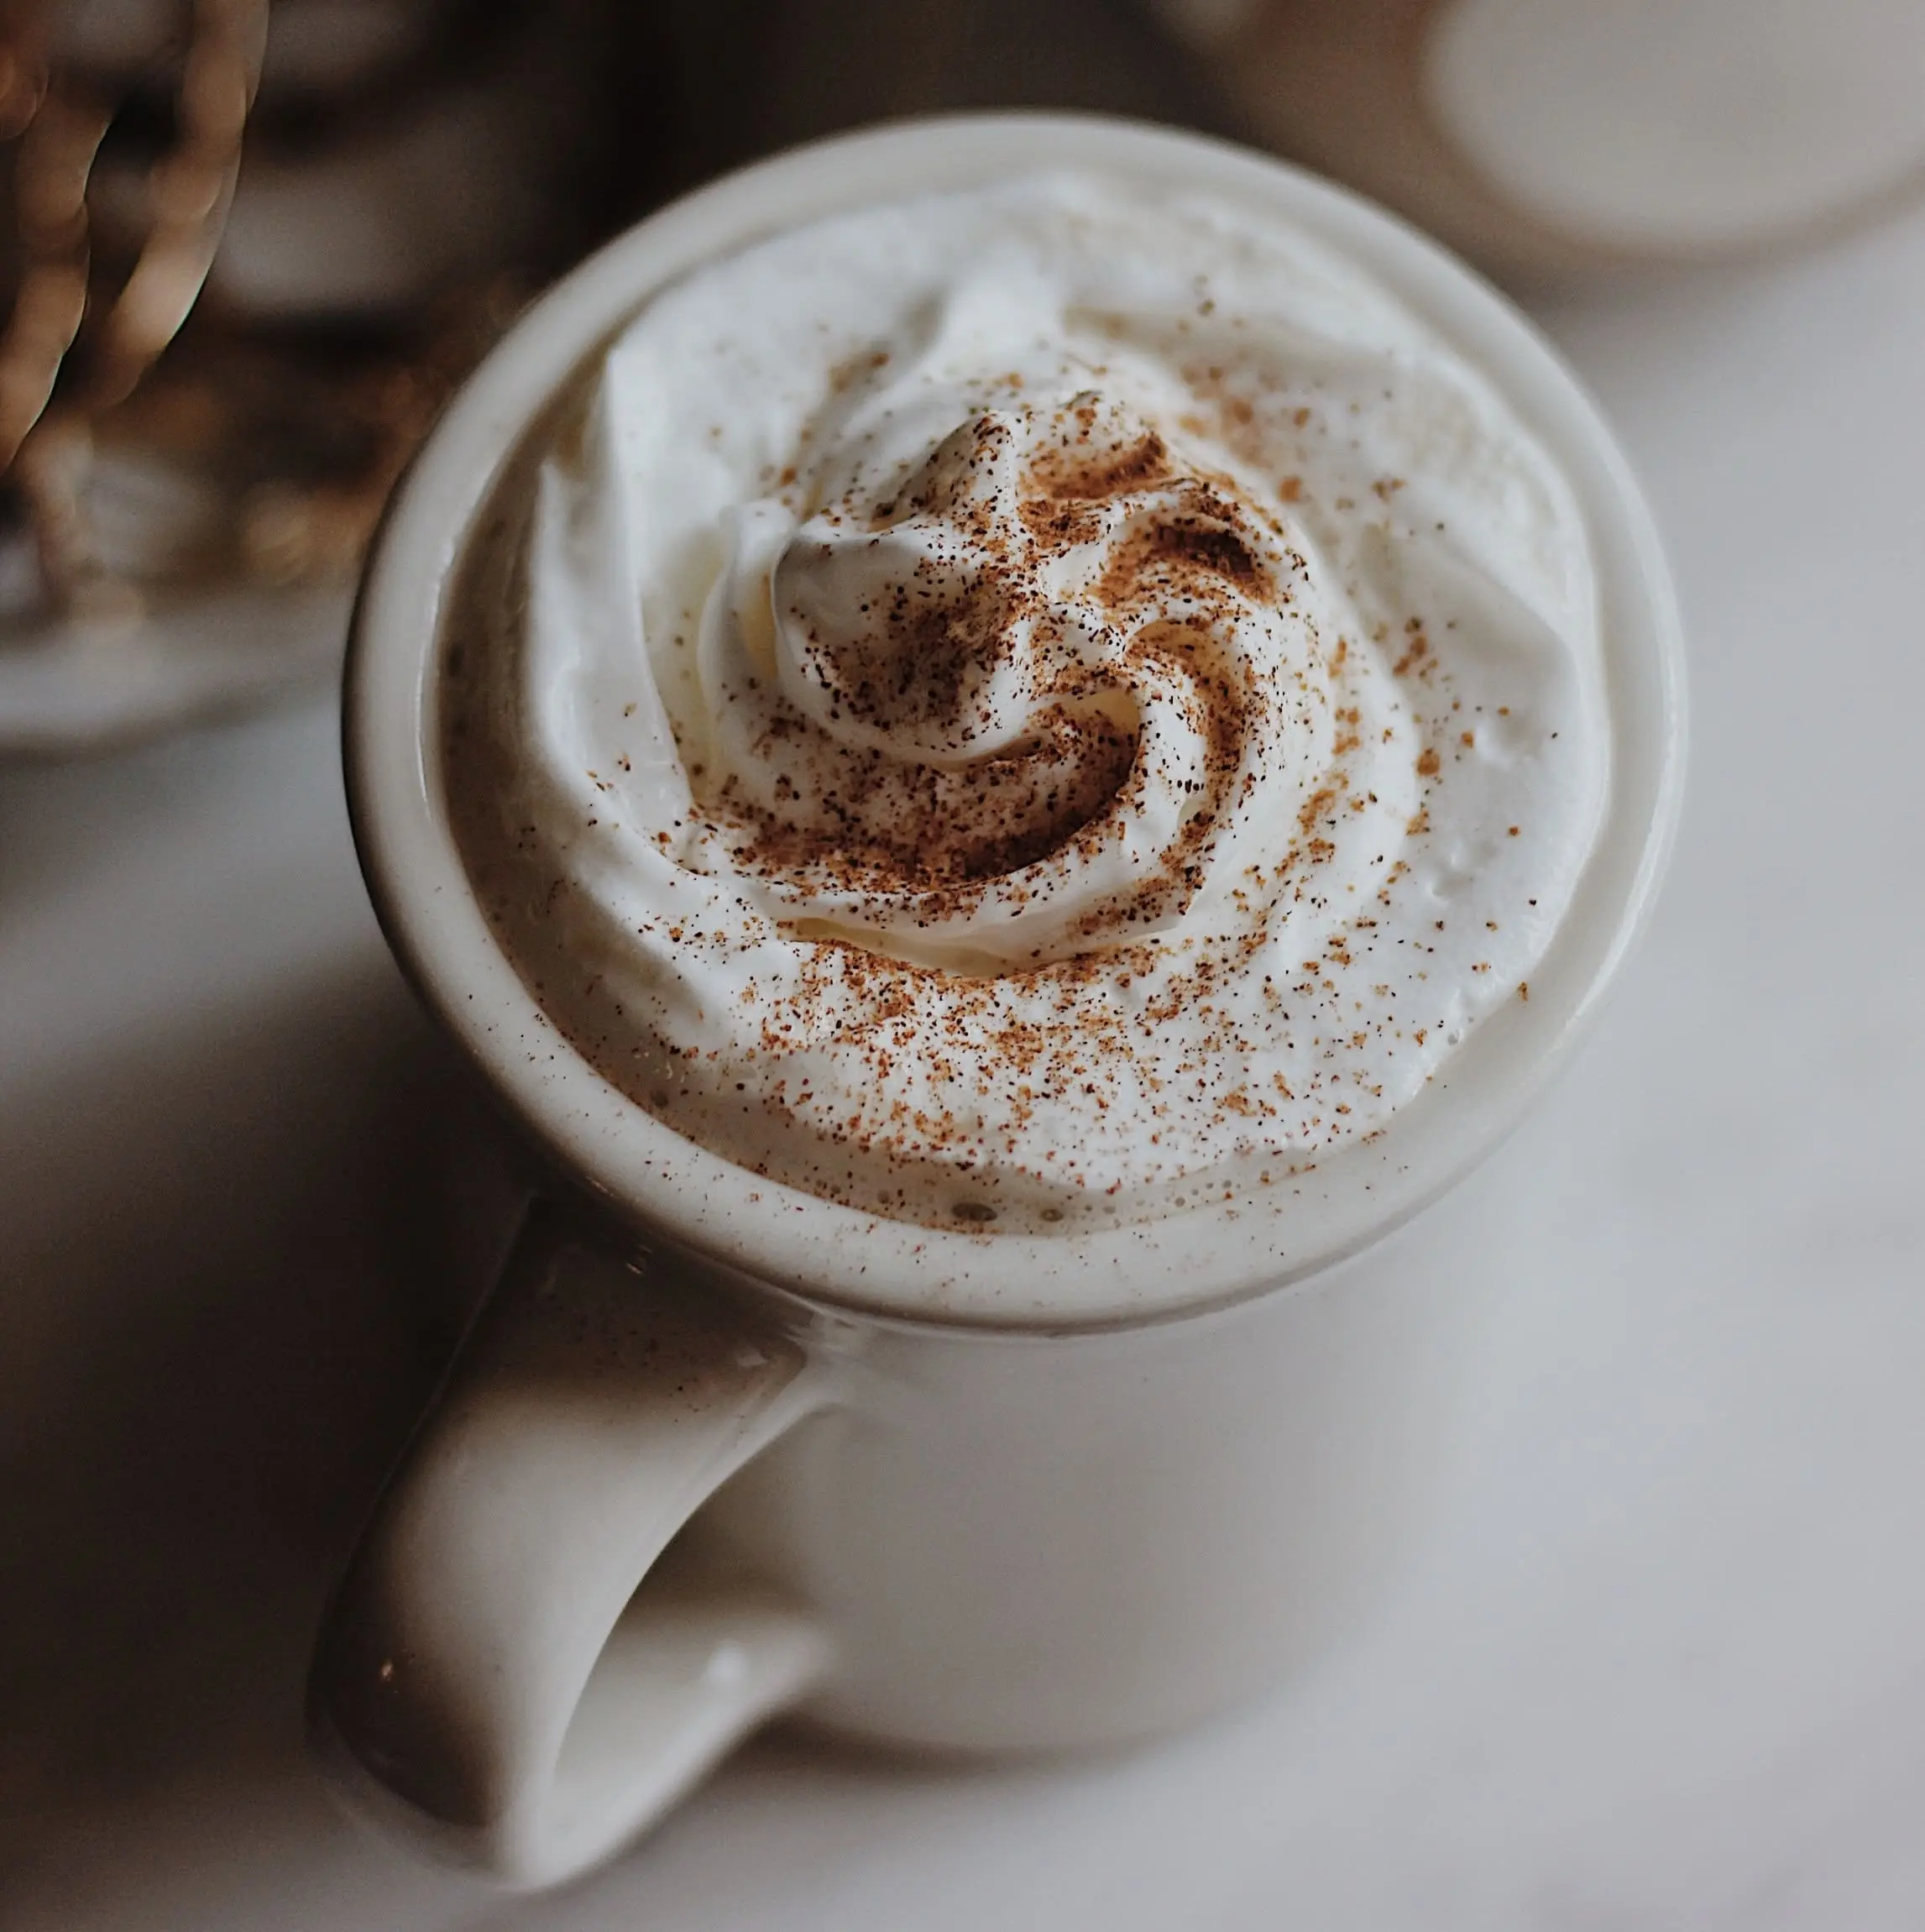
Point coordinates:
[[75, 684]]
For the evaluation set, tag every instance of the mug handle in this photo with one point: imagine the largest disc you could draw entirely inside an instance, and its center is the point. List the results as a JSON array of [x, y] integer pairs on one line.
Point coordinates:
[[482, 1683]]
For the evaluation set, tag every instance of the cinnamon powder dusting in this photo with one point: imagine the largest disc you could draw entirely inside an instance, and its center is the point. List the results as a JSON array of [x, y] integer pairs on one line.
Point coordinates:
[[1050, 786]]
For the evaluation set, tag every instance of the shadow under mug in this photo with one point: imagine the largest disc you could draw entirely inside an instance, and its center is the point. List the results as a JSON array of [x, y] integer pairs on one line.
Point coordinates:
[[716, 1448]]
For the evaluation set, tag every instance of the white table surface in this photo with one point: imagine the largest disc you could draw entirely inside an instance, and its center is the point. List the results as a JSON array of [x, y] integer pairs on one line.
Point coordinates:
[[1664, 1664]]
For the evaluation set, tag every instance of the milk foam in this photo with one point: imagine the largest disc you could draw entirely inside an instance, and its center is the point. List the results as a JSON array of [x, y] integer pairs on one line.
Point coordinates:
[[1029, 708]]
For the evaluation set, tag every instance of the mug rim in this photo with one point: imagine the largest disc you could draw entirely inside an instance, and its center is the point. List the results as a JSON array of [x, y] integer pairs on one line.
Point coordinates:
[[669, 1189]]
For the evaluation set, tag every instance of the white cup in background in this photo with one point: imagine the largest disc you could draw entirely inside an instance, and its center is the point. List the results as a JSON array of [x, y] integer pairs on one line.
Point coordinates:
[[1554, 135]]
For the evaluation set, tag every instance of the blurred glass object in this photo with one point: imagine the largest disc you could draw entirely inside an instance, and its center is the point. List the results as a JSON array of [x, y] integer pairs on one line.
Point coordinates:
[[250, 250], [1552, 136]]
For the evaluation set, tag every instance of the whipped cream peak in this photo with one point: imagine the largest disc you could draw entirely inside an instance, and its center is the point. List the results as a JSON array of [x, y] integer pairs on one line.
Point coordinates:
[[1010, 707], [1031, 707]]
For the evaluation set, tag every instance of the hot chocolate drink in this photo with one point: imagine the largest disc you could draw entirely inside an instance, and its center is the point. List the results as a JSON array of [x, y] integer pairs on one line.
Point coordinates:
[[1028, 709]]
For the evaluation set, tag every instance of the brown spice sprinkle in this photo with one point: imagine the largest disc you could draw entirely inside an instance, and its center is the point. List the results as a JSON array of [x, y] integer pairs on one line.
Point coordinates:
[[843, 794], [1178, 559], [964, 604]]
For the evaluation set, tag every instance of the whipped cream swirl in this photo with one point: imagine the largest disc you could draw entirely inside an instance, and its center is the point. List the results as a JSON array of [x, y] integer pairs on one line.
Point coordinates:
[[1023, 702], [1029, 707]]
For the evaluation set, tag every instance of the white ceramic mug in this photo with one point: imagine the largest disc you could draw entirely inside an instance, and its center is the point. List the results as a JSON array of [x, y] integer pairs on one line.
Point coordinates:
[[964, 1491]]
